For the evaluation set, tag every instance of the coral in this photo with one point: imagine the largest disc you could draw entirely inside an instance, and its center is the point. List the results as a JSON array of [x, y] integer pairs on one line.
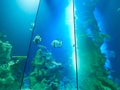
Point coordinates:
[[5, 52], [92, 74], [9, 68], [46, 73]]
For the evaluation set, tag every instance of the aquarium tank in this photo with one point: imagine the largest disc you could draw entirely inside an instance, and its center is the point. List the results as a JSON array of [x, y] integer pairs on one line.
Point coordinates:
[[59, 45]]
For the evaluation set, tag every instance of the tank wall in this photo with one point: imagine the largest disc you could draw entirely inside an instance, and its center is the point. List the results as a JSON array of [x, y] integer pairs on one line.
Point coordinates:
[[59, 45], [51, 66], [15, 34], [91, 35]]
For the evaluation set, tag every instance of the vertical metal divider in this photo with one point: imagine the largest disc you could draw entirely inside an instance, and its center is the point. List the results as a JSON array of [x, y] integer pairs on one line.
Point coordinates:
[[75, 41], [28, 52]]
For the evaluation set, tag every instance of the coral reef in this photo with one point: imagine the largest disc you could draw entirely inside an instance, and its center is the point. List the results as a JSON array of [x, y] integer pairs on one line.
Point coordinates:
[[92, 74], [5, 51], [9, 68], [46, 72]]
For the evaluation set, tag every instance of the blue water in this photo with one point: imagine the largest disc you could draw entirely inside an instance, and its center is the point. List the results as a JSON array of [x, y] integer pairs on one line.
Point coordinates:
[[15, 24], [111, 17], [50, 25]]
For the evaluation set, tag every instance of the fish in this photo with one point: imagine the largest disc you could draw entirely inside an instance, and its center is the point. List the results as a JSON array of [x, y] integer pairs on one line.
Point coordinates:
[[32, 24], [56, 43], [37, 39]]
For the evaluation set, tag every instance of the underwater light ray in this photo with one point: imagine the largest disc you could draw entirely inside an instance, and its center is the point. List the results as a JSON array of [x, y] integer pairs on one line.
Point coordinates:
[[70, 10], [70, 23], [28, 5]]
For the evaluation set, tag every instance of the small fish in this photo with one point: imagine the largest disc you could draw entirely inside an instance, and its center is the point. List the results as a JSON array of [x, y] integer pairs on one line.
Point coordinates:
[[56, 43], [32, 24], [37, 39]]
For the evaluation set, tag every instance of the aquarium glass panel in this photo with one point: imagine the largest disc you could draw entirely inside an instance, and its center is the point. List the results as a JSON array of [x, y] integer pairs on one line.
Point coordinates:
[[16, 25], [59, 45], [97, 44], [51, 60]]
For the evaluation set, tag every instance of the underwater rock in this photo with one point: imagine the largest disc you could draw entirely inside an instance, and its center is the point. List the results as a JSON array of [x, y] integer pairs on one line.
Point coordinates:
[[9, 68], [92, 61], [8, 80], [108, 83], [46, 73], [5, 52]]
